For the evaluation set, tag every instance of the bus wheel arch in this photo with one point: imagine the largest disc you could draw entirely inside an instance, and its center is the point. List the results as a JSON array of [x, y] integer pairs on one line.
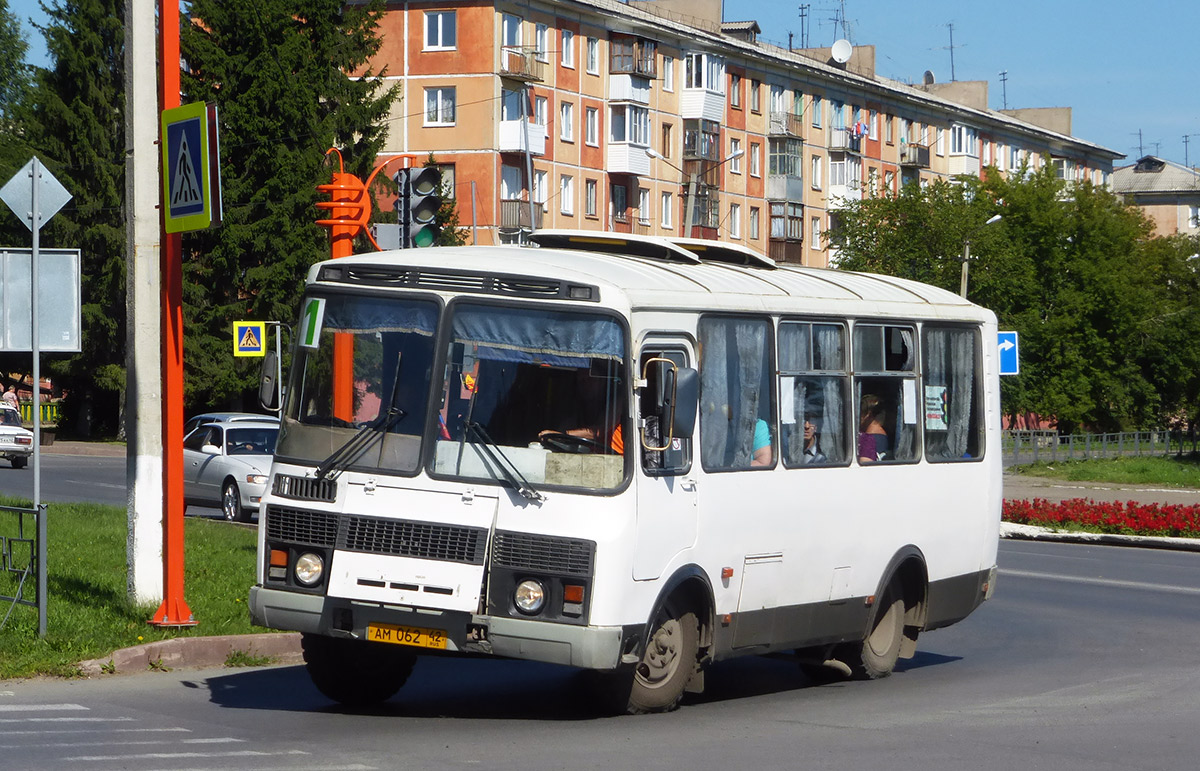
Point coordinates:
[[675, 644], [897, 616]]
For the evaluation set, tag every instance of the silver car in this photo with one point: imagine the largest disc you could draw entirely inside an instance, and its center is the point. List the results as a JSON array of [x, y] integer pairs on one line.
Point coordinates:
[[227, 464], [16, 442]]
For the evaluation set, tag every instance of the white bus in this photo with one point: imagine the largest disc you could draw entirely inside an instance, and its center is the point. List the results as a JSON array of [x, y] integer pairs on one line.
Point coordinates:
[[632, 455]]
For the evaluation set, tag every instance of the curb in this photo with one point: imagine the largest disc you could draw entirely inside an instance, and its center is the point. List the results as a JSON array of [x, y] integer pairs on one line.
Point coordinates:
[[196, 653], [1033, 533]]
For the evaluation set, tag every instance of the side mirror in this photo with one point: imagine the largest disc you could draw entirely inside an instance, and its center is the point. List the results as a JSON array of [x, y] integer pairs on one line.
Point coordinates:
[[685, 402], [210, 449], [268, 387]]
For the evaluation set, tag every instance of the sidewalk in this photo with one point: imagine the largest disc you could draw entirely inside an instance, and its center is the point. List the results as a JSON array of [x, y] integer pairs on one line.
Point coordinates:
[[67, 447]]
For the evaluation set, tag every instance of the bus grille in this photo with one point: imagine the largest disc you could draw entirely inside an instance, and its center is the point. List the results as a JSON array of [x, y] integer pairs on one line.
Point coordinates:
[[424, 540], [545, 553], [305, 488], [318, 528], [375, 535]]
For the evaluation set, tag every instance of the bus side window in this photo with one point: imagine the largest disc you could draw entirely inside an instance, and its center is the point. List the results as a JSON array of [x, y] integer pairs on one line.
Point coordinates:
[[677, 458], [737, 429]]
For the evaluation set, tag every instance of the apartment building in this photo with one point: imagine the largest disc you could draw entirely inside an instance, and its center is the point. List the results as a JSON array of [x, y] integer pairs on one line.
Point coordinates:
[[636, 116], [1168, 193]]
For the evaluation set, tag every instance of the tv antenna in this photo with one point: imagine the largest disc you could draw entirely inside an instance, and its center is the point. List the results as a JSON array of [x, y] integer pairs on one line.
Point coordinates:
[[951, 47], [804, 24], [1187, 138], [1004, 86]]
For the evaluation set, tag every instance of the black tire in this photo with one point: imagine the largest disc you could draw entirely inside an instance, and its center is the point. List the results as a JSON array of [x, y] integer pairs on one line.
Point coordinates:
[[668, 663], [875, 657], [20, 462], [231, 503], [355, 672]]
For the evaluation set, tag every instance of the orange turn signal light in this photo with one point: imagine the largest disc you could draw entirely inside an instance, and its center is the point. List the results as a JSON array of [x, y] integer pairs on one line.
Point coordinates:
[[573, 593], [278, 558], [726, 573]]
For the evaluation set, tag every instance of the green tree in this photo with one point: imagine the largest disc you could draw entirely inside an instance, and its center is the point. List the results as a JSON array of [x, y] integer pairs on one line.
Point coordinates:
[[291, 79], [15, 84], [451, 233], [77, 128]]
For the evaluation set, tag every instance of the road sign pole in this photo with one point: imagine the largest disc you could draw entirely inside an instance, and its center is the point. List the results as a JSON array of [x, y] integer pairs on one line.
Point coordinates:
[[174, 610]]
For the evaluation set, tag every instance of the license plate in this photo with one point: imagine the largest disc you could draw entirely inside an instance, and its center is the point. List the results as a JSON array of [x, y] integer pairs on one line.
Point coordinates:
[[417, 637]]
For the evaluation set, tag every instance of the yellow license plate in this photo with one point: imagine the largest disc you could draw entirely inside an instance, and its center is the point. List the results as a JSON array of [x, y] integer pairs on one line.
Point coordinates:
[[416, 636]]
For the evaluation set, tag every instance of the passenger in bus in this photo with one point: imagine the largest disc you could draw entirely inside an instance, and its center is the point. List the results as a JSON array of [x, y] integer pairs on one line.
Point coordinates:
[[873, 444], [812, 447], [762, 455]]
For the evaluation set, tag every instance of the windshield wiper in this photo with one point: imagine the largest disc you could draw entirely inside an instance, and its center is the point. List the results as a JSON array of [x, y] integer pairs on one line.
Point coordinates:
[[507, 468], [369, 434]]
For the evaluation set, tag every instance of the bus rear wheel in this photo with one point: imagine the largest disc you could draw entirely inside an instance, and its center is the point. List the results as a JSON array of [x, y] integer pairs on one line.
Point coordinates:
[[875, 657], [354, 672], [668, 663]]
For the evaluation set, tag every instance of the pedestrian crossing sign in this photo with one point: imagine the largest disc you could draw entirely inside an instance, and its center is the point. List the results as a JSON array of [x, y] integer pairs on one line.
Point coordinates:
[[249, 338], [191, 179]]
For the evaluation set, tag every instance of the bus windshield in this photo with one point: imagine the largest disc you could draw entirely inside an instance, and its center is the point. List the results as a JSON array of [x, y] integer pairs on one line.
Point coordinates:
[[540, 391], [388, 344]]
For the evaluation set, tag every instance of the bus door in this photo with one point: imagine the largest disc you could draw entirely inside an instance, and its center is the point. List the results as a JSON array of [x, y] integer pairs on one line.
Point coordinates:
[[666, 486]]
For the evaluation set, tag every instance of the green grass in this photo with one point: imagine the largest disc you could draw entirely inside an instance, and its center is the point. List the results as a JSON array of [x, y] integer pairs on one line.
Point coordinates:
[[1171, 471], [89, 614]]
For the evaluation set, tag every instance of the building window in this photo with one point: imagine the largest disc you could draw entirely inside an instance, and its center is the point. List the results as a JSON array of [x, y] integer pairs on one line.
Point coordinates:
[[593, 56], [815, 232], [701, 139], [704, 71], [889, 129], [440, 31], [873, 182], [589, 197], [754, 215], [591, 126], [566, 122], [629, 123], [539, 110], [755, 162], [873, 126], [1194, 216], [667, 144], [817, 108], [787, 157], [665, 212], [787, 221], [889, 182], [735, 91], [777, 102], [797, 103], [668, 73], [539, 189], [1014, 156], [566, 194], [634, 56], [963, 141], [643, 206], [568, 48], [815, 177], [941, 142], [735, 163], [448, 183], [755, 96], [735, 220], [541, 43], [620, 206], [512, 31], [439, 106]]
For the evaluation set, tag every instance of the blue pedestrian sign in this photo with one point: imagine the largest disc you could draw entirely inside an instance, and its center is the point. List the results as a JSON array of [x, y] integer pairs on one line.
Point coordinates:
[[191, 184], [1010, 362], [249, 338]]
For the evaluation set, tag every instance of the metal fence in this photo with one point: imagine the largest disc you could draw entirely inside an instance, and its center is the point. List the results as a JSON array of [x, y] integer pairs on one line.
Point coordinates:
[[23, 562], [1051, 447]]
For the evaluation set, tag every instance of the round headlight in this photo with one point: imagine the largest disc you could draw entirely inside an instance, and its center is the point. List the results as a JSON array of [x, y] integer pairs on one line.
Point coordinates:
[[530, 596], [309, 568]]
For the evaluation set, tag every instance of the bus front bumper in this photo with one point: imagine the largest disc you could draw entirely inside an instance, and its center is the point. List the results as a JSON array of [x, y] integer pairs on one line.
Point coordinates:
[[589, 647]]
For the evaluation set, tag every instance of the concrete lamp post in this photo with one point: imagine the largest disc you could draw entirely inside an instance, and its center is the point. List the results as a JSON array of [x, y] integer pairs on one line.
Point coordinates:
[[693, 180], [966, 258]]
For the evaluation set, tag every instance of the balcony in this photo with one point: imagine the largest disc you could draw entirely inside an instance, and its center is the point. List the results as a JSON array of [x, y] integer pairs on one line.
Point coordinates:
[[706, 172], [784, 124], [844, 140], [627, 158], [514, 215], [517, 136], [841, 195], [521, 63], [785, 187], [915, 156], [786, 251], [628, 88]]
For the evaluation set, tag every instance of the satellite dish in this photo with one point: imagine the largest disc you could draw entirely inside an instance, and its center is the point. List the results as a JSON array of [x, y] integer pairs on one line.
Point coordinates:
[[929, 80], [841, 51]]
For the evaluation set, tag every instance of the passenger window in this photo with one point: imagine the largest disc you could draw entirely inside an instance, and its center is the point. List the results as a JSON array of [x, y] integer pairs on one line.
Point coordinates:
[[677, 457], [813, 388], [953, 399], [885, 390], [736, 430]]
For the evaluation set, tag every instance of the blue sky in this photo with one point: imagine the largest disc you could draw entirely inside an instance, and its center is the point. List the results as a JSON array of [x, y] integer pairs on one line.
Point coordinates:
[[1058, 53]]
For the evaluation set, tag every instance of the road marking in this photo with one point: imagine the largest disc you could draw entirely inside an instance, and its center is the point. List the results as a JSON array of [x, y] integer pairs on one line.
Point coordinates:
[[1104, 582], [61, 731], [66, 720], [127, 743], [184, 755], [40, 707]]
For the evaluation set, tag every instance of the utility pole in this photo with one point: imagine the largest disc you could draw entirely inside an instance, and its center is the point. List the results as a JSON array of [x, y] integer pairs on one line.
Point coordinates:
[[804, 24], [1004, 86], [951, 27]]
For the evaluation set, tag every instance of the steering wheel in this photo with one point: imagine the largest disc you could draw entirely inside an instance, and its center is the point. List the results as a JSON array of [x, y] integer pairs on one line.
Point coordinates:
[[557, 441]]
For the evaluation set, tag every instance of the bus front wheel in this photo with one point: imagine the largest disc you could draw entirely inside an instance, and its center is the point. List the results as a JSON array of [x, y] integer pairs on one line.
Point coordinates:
[[875, 657], [354, 672], [668, 663]]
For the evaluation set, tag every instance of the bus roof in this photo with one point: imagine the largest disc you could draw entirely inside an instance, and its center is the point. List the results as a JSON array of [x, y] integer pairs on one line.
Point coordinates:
[[651, 273]]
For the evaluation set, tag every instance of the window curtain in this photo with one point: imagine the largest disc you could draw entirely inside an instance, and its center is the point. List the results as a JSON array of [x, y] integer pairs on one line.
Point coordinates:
[[734, 358], [950, 355]]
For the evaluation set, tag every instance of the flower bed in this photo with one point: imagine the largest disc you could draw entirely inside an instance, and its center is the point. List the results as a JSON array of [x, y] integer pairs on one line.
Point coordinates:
[[1128, 518]]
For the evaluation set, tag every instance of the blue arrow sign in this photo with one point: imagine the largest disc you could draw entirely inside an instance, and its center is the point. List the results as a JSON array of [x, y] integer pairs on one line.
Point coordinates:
[[1010, 362]]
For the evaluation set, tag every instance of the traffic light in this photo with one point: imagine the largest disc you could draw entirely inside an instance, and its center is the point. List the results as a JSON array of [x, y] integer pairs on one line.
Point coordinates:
[[418, 205]]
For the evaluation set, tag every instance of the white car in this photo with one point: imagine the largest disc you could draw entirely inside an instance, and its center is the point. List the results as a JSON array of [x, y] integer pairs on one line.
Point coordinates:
[[227, 464], [16, 442]]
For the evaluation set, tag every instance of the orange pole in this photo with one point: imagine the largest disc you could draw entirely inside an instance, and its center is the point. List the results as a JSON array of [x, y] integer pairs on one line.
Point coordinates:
[[343, 342], [174, 610]]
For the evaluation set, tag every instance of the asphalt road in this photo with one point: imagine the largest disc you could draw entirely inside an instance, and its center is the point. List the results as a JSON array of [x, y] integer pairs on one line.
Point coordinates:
[[1083, 660]]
